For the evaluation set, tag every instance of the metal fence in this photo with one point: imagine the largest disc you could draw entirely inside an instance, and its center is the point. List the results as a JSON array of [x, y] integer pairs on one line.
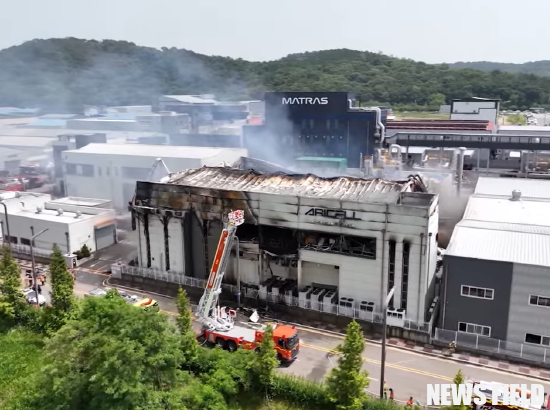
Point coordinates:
[[487, 344], [268, 297], [26, 250]]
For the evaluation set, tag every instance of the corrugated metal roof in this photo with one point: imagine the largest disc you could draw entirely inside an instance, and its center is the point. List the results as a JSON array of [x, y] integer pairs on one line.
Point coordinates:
[[342, 188], [503, 210], [497, 245], [530, 188], [496, 228]]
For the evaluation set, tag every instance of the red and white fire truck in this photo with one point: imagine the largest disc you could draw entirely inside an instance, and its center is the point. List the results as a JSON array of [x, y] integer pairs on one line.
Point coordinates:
[[219, 322], [495, 402]]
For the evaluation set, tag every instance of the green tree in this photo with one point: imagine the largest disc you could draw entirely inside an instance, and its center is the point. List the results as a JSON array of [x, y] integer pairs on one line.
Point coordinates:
[[62, 294], [112, 356], [437, 99], [458, 380], [346, 383], [266, 362], [12, 304], [184, 322]]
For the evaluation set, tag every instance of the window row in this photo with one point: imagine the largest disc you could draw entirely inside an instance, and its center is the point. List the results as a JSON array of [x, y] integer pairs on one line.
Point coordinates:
[[485, 293], [16, 241], [311, 124], [472, 328], [536, 300], [87, 170], [537, 339], [475, 292]]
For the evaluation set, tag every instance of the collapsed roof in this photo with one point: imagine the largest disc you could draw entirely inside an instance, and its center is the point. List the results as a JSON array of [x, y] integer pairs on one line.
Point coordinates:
[[350, 189]]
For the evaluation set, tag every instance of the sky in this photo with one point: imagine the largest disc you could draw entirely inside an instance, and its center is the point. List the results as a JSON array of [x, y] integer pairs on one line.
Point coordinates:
[[433, 31]]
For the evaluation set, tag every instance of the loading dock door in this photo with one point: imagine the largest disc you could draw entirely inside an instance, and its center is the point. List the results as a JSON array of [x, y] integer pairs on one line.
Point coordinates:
[[319, 273], [104, 236]]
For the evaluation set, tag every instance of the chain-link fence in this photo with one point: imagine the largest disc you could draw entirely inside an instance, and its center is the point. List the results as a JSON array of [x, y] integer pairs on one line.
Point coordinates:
[[268, 297], [487, 344]]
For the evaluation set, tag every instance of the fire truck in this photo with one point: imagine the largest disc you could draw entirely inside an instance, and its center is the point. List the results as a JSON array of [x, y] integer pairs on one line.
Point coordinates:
[[495, 402], [219, 322]]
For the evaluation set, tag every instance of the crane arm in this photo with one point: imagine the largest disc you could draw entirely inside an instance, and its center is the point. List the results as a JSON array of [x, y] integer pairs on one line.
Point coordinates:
[[207, 311]]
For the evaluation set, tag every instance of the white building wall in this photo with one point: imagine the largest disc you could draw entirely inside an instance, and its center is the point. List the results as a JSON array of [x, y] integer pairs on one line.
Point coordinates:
[[82, 233], [156, 241], [475, 110], [110, 181], [176, 247], [20, 227]]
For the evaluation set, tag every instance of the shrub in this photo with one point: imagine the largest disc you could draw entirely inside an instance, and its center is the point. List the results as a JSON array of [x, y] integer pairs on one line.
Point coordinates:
[[85, 251], [299, 391]]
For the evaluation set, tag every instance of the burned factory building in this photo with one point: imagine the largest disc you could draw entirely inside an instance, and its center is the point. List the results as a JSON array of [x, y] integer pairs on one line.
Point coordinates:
[[330, 241]]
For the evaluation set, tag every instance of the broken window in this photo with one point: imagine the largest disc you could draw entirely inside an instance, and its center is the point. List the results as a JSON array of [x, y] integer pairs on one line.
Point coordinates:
[[280, 241], [344, 244]]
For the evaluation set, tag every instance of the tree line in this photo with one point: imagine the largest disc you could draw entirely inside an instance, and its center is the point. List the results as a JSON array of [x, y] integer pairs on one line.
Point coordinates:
[[64, 74], [102, 353]]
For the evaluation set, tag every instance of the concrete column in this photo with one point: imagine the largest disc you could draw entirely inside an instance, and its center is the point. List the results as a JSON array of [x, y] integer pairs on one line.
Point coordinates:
[[299, 270]]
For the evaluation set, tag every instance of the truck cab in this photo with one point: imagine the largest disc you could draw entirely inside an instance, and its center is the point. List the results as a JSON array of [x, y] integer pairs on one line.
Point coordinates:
[[287, 342]]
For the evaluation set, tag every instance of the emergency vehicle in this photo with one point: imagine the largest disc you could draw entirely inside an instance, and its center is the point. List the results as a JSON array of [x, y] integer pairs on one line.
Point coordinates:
[[495, 403], [218, 322], [148, 304]]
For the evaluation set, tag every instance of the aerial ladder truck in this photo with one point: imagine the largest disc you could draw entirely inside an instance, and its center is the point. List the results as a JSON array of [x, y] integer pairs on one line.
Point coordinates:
[[219, 323]]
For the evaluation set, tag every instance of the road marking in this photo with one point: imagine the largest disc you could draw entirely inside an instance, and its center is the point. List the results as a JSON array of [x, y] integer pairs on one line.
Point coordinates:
[[377, 362]]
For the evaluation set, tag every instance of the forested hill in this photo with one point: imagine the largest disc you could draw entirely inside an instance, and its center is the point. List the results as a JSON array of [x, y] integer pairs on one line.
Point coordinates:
[[58, 73], [541, 68]]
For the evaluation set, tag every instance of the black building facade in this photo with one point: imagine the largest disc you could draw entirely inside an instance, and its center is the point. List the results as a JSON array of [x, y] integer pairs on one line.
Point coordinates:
[[313, 124]]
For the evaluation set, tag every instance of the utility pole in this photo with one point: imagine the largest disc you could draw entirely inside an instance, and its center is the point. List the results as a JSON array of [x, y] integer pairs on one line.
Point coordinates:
[[384, 330]]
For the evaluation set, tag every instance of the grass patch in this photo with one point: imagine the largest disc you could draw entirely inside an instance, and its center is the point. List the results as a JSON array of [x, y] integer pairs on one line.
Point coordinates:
[[20, 358], [421, 116]]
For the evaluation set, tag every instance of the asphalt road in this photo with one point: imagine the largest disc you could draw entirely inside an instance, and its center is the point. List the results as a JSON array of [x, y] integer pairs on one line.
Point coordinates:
[[407, 372]]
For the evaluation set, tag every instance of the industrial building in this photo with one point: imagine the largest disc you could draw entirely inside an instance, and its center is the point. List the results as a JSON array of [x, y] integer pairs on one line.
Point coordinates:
[[110, 171], [496, 268], [347, 240], [475, 108], [70, 222], [321, 125]]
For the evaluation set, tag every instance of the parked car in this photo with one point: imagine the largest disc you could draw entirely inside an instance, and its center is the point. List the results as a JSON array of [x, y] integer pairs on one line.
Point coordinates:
[[31, 299], [97, 292]]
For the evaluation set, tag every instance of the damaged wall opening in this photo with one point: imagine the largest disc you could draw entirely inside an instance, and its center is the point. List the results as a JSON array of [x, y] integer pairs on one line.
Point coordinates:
[[343, 244]]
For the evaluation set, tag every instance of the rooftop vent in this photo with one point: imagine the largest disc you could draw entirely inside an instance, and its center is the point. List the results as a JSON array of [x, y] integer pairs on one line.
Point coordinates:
[[516, 195], [60, 212], [78, 214], [38, 209]]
